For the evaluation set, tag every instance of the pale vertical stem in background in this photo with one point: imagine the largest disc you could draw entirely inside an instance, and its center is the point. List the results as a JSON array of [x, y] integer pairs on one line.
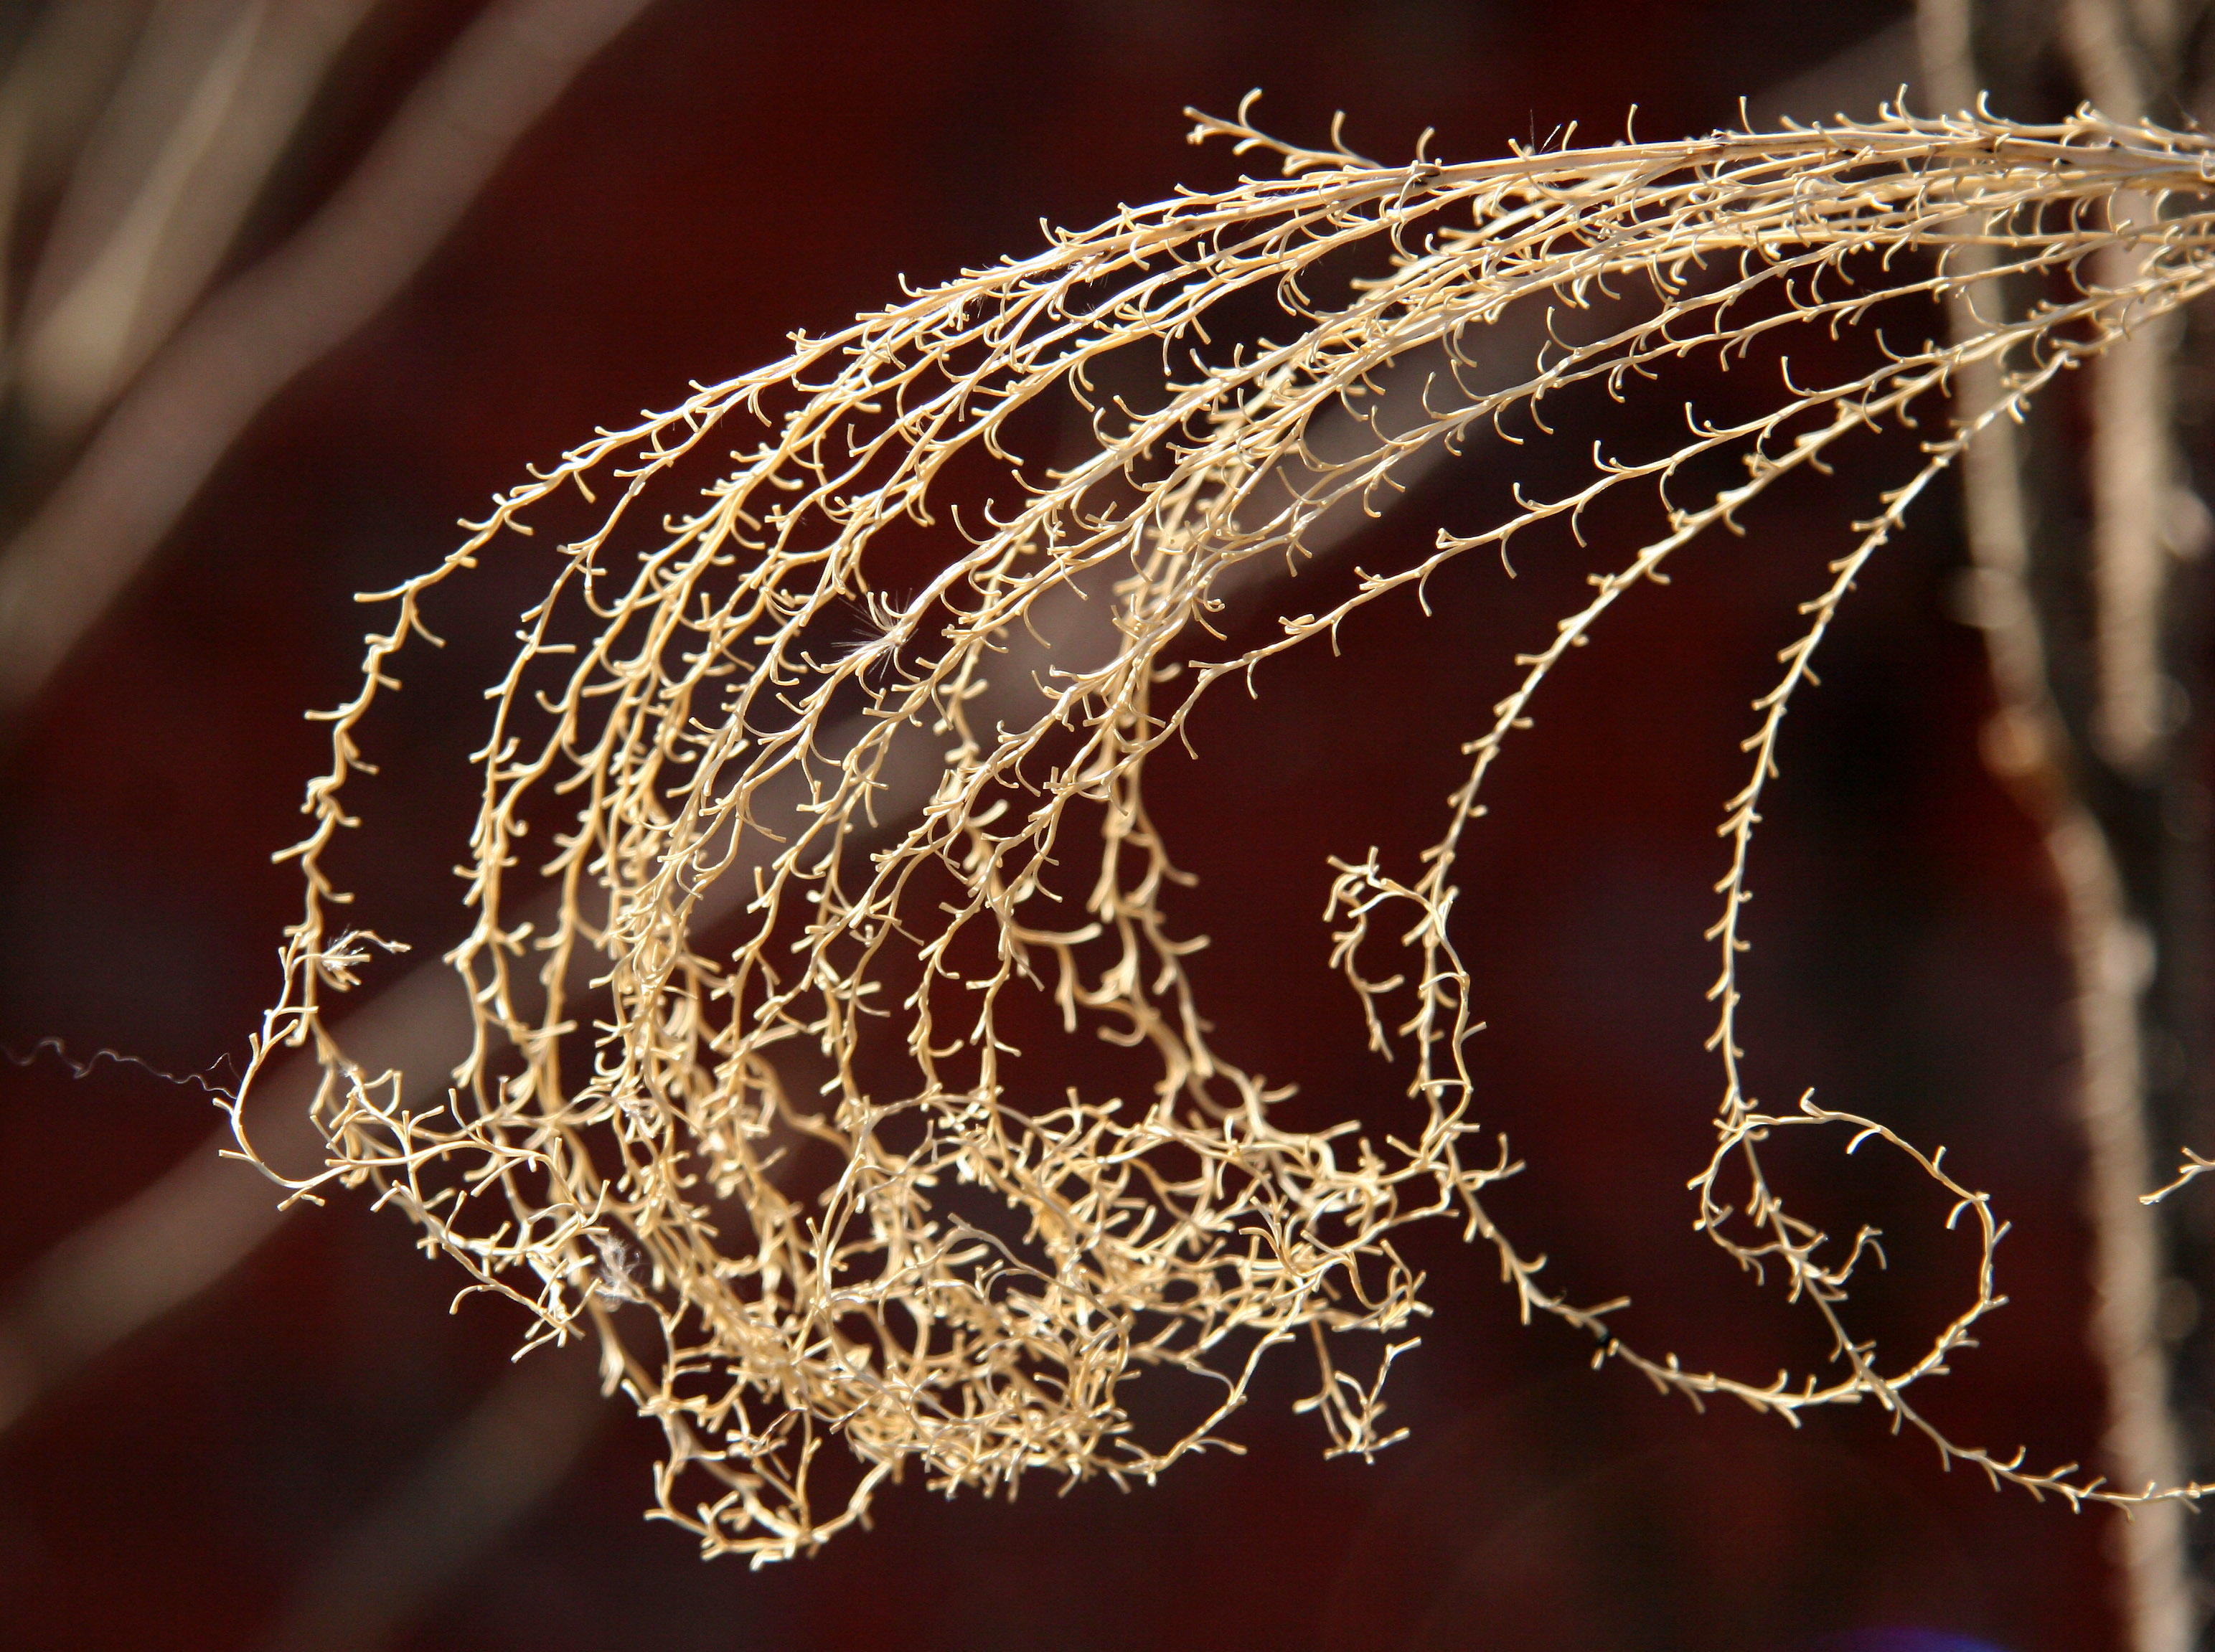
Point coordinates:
[[2028, 744], [2111, 959], [2132, 480], [2133, 463]]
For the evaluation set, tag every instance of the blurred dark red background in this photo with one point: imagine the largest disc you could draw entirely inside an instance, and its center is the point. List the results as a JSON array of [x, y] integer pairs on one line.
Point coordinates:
[[726, 172]]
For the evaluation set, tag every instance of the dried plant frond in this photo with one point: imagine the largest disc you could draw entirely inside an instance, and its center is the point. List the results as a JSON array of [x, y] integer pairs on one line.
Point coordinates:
[[910, 840]]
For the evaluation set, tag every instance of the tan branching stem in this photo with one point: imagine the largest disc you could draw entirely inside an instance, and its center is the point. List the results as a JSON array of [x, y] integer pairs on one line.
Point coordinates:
[[816, 1151]]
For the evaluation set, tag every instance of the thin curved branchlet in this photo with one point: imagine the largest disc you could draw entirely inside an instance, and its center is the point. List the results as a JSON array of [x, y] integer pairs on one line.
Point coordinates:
[[684, 698]]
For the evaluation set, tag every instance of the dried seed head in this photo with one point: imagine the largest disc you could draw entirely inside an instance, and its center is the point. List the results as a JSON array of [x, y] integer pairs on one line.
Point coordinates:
[[898, 840]]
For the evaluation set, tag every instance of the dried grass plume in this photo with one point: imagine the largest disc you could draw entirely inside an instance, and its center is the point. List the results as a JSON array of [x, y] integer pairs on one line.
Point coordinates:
[[912, 813]]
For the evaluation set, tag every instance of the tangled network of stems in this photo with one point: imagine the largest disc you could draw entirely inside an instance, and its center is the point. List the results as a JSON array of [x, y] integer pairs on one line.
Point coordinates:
[[985, 1257]]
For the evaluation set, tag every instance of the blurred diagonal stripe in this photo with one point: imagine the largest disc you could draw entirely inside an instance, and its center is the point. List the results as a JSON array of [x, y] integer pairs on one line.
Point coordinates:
[[148, 216], [90, 538], [467, 1489]]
